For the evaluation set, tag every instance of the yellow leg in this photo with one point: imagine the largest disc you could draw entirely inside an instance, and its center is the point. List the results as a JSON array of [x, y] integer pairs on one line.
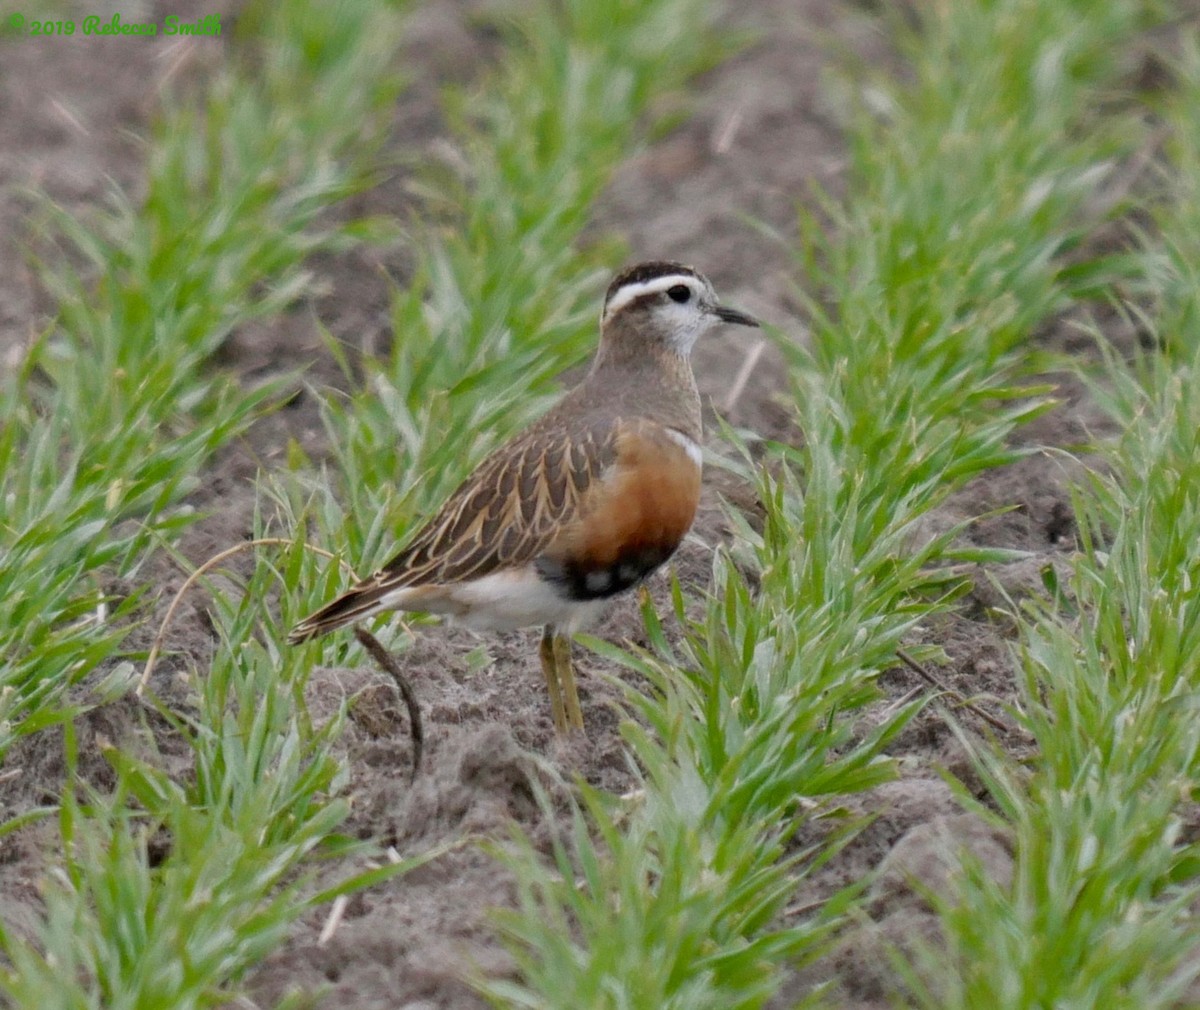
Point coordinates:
[[566, 678], [549, 657]]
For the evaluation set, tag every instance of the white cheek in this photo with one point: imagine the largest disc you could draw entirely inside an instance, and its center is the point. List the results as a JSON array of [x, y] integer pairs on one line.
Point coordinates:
[[684, 327]]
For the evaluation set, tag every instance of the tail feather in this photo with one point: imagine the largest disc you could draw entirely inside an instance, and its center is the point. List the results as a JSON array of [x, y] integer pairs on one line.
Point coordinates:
[[353, 605]]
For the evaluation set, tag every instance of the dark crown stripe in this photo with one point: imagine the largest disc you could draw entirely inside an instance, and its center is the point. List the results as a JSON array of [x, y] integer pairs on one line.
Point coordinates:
[[643, 272]]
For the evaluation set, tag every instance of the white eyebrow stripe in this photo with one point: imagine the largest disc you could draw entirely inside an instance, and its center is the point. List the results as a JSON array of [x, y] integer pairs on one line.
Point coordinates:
[[695, 454], [629, 292]]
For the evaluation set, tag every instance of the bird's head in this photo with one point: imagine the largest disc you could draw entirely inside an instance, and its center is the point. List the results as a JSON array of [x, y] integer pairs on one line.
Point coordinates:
[[664, 306]]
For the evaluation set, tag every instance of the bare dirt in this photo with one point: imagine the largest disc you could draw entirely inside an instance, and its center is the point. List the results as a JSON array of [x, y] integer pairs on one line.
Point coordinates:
[[764, 127]]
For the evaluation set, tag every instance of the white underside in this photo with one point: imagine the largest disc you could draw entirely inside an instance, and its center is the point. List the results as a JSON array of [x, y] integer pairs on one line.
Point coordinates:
[[502, 601]]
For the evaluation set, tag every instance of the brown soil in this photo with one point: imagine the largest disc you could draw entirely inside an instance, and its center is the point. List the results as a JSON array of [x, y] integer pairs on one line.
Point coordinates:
[[764, 128]]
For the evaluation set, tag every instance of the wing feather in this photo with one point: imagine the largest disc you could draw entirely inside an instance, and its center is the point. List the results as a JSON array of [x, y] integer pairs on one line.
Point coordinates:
[[509, 510]]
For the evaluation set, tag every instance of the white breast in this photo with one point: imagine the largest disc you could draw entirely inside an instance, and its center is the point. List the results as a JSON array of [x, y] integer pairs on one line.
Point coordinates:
[[695, 453]]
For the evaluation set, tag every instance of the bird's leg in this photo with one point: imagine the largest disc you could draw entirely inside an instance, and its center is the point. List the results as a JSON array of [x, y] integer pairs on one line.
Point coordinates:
[[549, 657], [566, 677]]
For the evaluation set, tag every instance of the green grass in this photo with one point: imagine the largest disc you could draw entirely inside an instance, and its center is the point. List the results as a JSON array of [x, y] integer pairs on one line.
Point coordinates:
[[104, 433], [976, 182], [116, 408], [1105, 873]]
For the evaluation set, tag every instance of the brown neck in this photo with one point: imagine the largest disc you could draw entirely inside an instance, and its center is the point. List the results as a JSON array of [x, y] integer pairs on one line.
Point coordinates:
[[655, 383]]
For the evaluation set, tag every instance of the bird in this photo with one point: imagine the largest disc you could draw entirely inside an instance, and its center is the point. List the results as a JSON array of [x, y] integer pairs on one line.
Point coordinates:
[[581, 506]]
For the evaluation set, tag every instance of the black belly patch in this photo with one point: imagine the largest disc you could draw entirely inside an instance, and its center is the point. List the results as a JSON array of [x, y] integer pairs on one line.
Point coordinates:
[[582, 582]]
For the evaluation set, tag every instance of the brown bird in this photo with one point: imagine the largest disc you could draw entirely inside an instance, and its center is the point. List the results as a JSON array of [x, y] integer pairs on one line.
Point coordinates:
[[582, 505]]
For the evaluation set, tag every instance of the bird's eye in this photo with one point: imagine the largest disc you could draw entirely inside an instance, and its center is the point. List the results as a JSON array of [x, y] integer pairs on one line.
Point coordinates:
[[679, 293]]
